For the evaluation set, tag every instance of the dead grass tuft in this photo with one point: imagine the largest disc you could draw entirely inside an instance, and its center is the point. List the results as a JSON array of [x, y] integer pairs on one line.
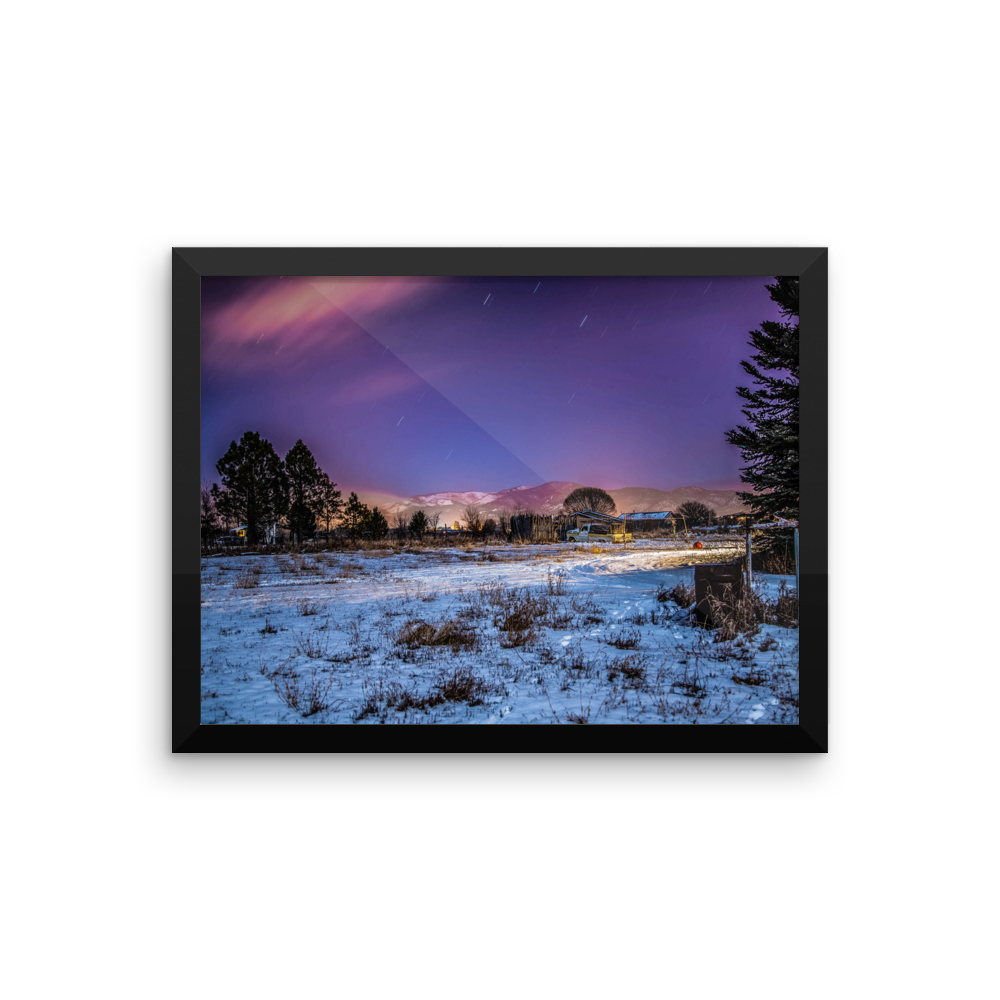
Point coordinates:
[[307, 696], [625, 640], [454, 634], [247, 578], [681, 594], [633, 671], [306, 645], [753, 677], [459, 685], [516, 619], [744, 615]]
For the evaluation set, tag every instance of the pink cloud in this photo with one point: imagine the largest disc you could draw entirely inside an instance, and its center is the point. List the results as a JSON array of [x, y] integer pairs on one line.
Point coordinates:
[[294, 305], [383, 387]]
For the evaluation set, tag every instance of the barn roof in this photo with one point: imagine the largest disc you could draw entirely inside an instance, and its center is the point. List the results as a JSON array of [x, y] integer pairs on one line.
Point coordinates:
[[593, 515]]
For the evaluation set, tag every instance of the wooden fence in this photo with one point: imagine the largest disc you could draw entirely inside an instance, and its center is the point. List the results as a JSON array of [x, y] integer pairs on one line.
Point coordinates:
[[533, 528]]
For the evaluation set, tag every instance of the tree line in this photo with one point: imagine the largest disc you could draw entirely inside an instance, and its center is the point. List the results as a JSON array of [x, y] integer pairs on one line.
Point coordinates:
[[258, 489]]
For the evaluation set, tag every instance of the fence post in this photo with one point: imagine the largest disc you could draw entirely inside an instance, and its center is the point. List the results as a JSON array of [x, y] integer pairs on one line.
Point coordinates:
[[749, 561]]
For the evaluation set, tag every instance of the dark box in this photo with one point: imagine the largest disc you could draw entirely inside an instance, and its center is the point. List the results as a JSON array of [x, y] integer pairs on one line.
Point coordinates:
[[715, 577]]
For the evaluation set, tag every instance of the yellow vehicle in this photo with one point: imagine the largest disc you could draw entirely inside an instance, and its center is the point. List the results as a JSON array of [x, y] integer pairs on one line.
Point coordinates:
[[599, 533]]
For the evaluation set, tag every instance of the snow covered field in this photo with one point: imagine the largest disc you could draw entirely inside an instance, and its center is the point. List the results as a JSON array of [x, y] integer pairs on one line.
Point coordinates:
[[525, 634]]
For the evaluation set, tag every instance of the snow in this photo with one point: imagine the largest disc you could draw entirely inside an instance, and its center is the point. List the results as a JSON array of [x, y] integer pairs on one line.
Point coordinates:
[[323, 631]]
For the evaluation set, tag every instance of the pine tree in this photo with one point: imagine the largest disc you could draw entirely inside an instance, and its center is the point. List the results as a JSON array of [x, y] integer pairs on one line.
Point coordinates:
[[770, 444], [220, 501], [304, 478], [355, 516], [255, 488], [327, 503], [589, 498], [209, 516], [377, 524], [418, 523]]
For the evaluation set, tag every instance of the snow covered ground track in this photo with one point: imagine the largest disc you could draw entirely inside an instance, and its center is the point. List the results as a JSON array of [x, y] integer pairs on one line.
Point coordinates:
[[526, 634]]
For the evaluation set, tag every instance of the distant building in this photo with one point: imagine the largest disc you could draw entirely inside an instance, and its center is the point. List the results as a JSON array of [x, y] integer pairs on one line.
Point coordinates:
[[272, 533], [581, 517], [650, 515]]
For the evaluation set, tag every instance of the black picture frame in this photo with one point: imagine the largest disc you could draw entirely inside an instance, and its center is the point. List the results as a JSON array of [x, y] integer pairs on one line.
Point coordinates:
[[191, 264]]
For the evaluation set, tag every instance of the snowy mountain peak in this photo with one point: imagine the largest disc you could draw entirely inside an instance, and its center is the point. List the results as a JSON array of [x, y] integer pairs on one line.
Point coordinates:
[[548, 499]]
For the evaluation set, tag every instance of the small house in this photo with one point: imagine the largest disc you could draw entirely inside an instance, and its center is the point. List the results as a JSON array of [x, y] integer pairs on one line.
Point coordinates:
[[272, 533]]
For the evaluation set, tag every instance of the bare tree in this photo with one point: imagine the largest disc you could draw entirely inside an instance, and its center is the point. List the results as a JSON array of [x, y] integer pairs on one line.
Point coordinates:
[[400, 523], [695, 513], [473, 517], [432, 520]]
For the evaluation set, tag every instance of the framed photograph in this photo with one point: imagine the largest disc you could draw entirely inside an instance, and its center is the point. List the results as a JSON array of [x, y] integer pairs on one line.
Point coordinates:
[[506, 500]]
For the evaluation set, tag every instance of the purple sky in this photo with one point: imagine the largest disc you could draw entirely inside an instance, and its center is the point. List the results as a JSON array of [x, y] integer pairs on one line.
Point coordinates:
[[409, 386]]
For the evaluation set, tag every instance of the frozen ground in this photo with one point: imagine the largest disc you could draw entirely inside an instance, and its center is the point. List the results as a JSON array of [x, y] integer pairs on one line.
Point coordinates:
[[526, 634]]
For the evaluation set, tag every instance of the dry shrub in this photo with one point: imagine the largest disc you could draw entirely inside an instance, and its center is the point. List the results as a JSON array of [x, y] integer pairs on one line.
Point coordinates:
[[625, 640], [574, 659], [514, 638], [417, 632], [583, 604], [305, 696], [752, 677], [743, 615], [306, 645], [516, 617], [557, 618], [458, 685], [461, 685], [632, 670], [786, 607], [690, 685], [247, 578], [305, 609], [373, 699], [773, 552], [682, 594], [557, 583]]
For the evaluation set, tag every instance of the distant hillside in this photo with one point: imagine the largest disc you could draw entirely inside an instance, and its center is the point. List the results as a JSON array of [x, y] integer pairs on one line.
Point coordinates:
[[547, 499], [641, 499]]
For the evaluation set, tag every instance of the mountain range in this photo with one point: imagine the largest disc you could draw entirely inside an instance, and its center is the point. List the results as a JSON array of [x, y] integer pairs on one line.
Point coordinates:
[[548, 499]]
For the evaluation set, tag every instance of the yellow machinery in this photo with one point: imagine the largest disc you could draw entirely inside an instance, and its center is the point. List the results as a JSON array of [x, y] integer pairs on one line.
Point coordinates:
[[623, 536]]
